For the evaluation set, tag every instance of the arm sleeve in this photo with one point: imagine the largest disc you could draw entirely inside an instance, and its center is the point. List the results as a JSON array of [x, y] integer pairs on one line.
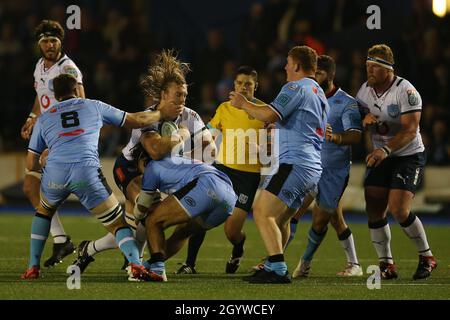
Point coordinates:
[[351, 118], [71, 68], [287, 100], [37, 143], [215, 122], [150, 179], [111, 115], [409, 99]]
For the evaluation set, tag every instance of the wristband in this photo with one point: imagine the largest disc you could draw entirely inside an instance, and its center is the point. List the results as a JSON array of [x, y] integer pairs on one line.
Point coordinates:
[[387, 150], [32, 115]]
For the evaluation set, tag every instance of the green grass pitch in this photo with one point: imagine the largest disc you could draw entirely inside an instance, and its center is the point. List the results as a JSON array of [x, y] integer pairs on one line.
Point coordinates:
[[104, 280]]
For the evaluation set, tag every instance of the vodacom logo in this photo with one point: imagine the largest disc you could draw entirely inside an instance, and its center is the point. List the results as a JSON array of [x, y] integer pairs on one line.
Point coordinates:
[[45, 101]]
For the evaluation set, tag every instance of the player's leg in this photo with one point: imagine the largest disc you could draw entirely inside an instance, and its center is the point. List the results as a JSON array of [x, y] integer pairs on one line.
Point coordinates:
[[245, 185], [376, 194], [407, 174], [50, 198], [316, 234], [195, 242], [40, 229], [293, 224], [168, 213], [345, 236], [62, 246], [180, 235], [286, 189], [110, 214], [129, 181], [400, 207], [380, 233], [97, 196], [233, 230]]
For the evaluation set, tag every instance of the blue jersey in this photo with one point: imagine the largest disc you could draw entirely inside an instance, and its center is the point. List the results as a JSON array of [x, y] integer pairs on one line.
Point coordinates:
[[71, 129], [303, 109], [172, 173], [344, 115]]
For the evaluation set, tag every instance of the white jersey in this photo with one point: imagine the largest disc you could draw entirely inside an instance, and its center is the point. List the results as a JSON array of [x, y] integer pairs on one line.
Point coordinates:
[[188, 118], [400, 98], [43, 79]]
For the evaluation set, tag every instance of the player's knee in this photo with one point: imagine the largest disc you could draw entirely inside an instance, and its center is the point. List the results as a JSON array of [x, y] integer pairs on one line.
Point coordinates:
[[400, 213], [320, 225], [157, 220], [112, 218]]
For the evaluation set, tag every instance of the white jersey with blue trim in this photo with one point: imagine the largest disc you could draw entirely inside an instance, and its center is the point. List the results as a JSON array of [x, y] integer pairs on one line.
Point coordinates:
[[172, 173], [71, 129], [43, 79], [303, 111], [188, 118], [344, 116], [401, 98]]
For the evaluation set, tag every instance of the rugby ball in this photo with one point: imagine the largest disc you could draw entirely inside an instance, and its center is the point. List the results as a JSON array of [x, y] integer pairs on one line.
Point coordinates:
[[167, 128]]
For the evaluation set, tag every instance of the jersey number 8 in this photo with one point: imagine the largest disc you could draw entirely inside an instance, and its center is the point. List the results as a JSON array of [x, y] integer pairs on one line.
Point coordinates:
[[70, 119]]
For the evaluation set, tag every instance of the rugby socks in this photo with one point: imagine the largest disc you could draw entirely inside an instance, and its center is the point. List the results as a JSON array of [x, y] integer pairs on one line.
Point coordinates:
[[238, 249], [413, 228], [277, 264], [314, 241], [293, 226], [127, 244], [380, 233], [346, 239], [156, 263], [57, 229], [141, 238], [102, 244], [195, 242], [40, 228]]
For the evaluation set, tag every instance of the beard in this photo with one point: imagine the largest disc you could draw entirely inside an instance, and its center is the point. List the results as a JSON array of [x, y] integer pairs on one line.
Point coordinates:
[[50, 56], [325, 85]]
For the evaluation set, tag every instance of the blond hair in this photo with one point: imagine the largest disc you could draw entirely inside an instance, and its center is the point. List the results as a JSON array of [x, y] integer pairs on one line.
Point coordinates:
[[164, 69]]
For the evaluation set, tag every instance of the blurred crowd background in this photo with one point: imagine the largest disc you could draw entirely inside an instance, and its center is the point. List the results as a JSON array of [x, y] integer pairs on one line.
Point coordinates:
[[117, 39]]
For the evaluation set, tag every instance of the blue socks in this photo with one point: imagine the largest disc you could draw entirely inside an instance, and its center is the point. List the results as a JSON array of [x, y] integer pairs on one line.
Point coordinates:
[[314, 240], [40, 228], [127, 244], [277, 264]]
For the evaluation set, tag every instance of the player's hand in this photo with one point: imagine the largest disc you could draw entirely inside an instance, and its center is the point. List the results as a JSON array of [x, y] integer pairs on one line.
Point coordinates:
[[375, 158], [184, 132], [27, 128], [369, 120], [329, 133], [171, 111], [43, 158], [237, 99]]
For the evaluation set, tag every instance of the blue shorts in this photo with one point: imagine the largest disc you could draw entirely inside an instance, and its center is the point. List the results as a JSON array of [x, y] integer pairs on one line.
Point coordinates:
[[332, 185], [291, 183], [87, 183], [209, 198]]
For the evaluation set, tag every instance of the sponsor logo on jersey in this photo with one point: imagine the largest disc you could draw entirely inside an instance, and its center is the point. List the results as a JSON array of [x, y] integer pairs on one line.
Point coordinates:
[[70, 70], [287, 194], [413, 97], [393, 110], [190, 201], [293, 87], [283, 100]]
